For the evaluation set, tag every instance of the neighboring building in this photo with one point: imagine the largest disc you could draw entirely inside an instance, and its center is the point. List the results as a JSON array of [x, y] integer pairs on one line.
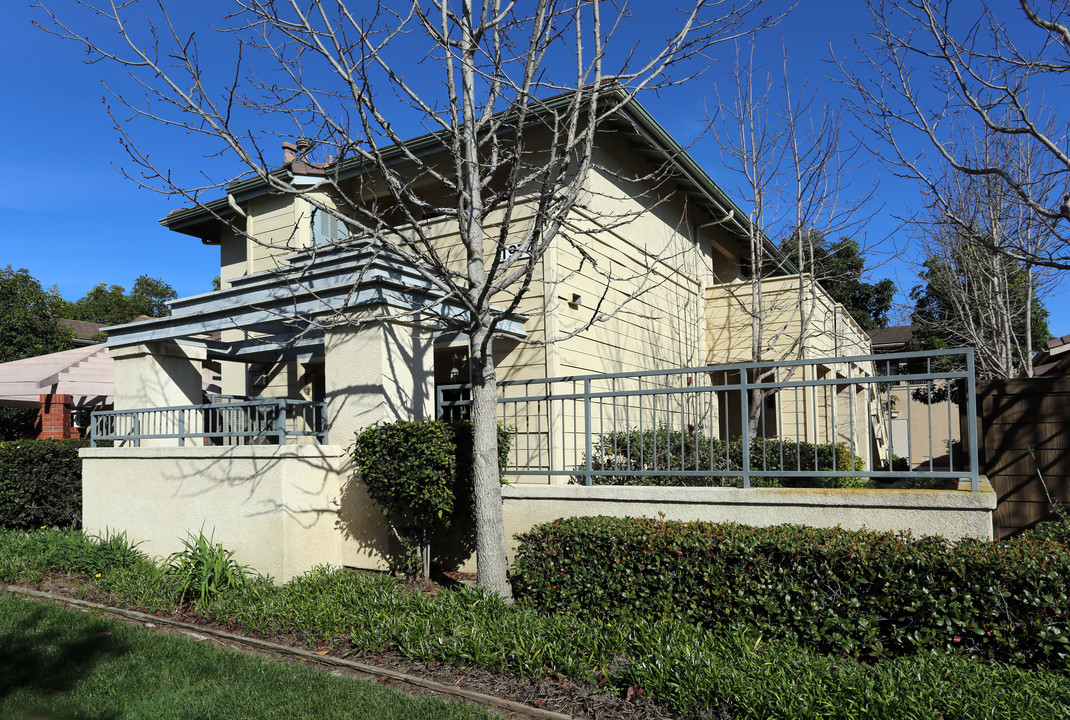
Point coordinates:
[[63, 387], [919, 430], [84, 331], [1053, 360], [685, 246]]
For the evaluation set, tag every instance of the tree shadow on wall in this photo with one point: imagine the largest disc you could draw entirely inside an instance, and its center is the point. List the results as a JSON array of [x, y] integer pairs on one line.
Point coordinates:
[[361, 521]]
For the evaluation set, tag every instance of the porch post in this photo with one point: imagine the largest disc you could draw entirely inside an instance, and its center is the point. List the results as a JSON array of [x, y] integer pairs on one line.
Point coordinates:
[[157, 375], [54, 417], [378, 371]]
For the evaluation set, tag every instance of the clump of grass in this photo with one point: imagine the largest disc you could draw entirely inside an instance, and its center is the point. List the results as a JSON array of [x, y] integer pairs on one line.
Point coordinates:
[[29, 555], [203, 569]]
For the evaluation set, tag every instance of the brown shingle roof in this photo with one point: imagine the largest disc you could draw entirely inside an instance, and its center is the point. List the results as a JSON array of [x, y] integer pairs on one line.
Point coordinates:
[[891, 337], [83, 329]]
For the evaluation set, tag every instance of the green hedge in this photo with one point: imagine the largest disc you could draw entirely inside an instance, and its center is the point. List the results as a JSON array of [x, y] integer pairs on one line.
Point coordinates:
[[860, 593], [696, 672], [668, 450], [41, 483], [419, 474]]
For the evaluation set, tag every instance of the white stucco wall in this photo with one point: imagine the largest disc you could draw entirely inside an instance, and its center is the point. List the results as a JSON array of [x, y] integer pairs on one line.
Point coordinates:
[[377, 372], [157, 374], [285, 509], [953, 514], [281, 509]]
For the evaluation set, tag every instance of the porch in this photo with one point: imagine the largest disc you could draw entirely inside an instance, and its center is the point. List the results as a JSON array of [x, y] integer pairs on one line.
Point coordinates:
[[270, 478]]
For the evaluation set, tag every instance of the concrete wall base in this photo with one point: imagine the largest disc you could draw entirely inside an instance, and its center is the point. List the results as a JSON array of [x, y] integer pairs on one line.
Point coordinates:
[[285, 509], [953, 514], [281, 509]]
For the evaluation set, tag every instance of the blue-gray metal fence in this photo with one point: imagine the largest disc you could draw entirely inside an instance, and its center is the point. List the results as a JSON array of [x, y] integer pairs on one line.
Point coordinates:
[[892, 417], [265, 421]]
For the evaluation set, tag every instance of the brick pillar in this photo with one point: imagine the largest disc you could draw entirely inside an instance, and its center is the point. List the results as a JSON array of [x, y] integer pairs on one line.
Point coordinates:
[[55, 418]]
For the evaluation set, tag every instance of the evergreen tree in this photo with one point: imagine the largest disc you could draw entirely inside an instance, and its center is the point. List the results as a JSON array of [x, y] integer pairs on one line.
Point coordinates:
[[111, 305], [839, 268]]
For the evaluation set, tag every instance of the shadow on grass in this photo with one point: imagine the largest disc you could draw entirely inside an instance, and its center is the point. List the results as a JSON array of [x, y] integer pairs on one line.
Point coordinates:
[[40, 654]]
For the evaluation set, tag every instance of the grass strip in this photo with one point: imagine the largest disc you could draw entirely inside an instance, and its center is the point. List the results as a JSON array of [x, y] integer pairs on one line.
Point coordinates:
[[689, 668], [731, 673], [66, 664]]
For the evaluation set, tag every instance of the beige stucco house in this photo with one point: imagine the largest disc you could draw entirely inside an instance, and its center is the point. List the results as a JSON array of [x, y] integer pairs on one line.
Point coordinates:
[[652, 224]]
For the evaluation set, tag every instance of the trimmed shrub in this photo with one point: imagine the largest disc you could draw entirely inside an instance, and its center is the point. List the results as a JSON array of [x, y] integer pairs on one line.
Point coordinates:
[[666, 451], [41, 483], [1056, 529], [419, 474], [863, 594]]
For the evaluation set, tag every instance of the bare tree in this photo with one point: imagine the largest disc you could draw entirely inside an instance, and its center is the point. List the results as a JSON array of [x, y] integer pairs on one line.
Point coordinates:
[[522, 90], [934, 74], [976, 294], [786, 148]]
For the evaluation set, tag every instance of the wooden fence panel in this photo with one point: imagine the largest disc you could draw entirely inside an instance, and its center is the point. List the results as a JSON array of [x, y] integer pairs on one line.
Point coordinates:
[[1025, 437]]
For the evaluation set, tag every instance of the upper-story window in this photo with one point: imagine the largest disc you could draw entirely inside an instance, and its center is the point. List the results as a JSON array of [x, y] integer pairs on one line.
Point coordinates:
[[327, 228]]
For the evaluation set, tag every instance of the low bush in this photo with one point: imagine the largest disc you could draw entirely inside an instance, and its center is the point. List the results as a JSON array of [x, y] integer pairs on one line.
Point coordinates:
[[420, 475], [41, 483], [674, 451], [697, 671], [858, 593], [1056, 529]]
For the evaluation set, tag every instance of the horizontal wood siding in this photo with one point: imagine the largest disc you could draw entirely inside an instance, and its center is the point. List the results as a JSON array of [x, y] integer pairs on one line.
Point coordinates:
[[275, 227]]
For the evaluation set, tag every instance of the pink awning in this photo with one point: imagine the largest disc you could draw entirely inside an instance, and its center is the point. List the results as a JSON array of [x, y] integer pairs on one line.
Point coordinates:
[[87, 374]]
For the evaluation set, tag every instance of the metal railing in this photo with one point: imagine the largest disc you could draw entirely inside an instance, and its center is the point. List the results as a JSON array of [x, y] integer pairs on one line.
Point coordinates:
[[893, 417], [265, 421]]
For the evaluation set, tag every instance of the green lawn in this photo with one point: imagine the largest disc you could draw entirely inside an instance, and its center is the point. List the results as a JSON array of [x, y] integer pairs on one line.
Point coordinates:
[[59, 663]]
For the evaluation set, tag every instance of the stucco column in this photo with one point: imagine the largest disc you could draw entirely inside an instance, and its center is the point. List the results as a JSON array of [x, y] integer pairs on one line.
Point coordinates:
[[157, 375], [379, 371]]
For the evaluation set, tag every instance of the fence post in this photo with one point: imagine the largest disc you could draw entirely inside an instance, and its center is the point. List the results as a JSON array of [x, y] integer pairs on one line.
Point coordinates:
[[181, 427], [587, 429], [745, 425], [281, 419], [971, 421]]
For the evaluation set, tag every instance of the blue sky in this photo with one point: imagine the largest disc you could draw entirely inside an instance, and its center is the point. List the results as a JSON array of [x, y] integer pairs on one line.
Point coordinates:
[[74, 221]]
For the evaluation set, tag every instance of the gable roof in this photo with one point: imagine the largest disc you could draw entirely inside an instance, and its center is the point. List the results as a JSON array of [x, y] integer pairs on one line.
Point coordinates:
[[633, 119], [891, 338], [1053, 358], [84, 331]]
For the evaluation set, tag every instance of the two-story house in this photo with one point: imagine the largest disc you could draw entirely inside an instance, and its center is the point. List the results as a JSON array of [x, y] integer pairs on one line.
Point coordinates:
[[323, 332]]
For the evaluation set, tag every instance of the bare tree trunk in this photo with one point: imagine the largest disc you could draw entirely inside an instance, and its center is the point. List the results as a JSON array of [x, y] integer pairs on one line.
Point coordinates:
[[491, 560], [1028, 321]]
